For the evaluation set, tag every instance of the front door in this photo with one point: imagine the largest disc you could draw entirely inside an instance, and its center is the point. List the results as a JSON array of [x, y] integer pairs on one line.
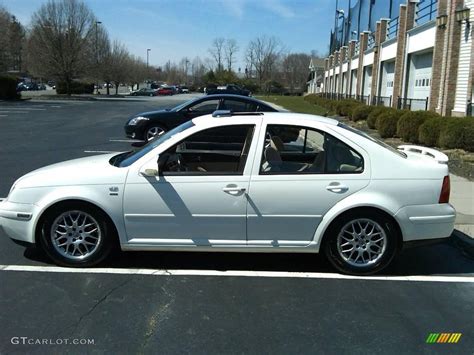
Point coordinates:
[[199, 197], [302, 173]]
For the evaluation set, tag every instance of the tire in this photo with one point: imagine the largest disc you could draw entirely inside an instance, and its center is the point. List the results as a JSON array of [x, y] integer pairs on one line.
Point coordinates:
[[85, 246], [353, 247], [152, 131]]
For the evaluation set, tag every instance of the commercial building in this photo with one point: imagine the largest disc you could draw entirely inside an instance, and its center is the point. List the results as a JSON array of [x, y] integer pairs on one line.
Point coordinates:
[[418, 55]]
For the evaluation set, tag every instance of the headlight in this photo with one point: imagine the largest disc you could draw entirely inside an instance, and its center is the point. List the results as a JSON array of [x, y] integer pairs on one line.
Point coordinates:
[[134, 121], [11, 190]]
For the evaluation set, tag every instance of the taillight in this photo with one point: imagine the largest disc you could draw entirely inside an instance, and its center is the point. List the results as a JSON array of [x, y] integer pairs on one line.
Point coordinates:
[[445, 190]]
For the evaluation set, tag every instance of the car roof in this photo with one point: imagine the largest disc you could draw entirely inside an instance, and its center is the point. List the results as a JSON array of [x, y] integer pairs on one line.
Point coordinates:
[[284, 117], [233, 96]]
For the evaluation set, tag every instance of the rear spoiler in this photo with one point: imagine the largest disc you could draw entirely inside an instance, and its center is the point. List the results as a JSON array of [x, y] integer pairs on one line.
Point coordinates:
[[426, 152]]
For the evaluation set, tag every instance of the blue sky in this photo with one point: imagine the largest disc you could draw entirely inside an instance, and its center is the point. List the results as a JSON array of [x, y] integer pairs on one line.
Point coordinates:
[[177, 28]]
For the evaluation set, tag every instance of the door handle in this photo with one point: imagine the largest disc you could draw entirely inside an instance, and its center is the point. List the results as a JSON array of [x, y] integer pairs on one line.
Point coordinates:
[[233, 189], [337, 187]]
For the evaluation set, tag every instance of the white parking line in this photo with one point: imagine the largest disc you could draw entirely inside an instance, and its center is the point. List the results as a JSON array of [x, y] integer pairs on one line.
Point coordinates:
[[236, 273], [13, 111], [100, 151], [126, 140]]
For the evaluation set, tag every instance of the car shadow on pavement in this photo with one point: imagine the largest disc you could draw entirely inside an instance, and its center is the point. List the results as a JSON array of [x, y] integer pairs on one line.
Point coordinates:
[[440, 259]]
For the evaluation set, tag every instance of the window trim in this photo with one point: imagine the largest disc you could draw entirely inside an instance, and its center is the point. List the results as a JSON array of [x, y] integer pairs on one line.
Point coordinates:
[[324, 133], [244, 152]]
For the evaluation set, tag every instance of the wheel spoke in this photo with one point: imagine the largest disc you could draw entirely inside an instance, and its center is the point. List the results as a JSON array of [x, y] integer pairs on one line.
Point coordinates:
[[75, 234], [361, 242]]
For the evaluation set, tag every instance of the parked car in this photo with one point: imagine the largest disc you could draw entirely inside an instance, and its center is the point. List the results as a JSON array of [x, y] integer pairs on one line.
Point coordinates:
[[165, 90], [147, 125], [184, 89], [278, 182], [144, 92], [228, 89]]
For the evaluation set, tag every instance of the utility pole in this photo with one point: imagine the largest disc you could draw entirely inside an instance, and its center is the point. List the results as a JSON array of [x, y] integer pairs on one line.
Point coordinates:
[[97, 23]]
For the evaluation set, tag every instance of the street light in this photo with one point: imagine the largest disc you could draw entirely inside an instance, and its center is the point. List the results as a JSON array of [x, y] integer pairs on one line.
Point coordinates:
[[147, 56], [97, 23]]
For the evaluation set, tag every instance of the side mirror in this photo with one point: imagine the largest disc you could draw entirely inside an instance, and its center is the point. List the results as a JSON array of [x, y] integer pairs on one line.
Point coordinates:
[[150, 169]]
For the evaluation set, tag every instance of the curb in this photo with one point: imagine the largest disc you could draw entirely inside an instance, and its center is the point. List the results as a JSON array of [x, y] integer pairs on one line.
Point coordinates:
[[464, 243]]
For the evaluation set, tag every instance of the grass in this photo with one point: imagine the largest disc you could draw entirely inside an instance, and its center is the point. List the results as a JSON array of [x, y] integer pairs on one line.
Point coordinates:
[[294, 103]]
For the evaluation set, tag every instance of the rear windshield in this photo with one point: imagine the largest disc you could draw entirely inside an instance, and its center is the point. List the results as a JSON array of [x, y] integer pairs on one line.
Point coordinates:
[[377, 141]]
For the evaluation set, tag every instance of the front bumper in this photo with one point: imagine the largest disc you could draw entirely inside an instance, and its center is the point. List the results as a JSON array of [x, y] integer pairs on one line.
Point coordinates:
[[425, 222], [134, 132], [16, 220]]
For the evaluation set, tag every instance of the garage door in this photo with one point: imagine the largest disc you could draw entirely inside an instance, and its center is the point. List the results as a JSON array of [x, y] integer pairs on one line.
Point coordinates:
[[420, 76], [367, 80], [388, 72]]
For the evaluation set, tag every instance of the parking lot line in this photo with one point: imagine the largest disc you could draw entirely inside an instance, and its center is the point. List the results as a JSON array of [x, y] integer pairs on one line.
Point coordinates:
[[232, 273], [126, 140]]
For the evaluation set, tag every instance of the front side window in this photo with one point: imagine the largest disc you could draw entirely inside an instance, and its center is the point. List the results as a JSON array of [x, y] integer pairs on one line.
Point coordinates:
[[303, 150], [214, 151]]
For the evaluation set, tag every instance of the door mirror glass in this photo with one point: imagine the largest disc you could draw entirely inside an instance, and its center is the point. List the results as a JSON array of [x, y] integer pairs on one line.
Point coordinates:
[[150, 169]]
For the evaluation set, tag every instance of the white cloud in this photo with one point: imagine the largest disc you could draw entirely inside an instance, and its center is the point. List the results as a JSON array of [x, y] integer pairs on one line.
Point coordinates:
[[235, 7], [278, 8]]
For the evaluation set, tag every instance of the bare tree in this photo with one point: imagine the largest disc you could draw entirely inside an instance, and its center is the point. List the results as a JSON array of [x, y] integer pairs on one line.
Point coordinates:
[[217, 52], [295, 71], [262, 54], [12, 42], [115, 66], [61, 40], [198, 69], [231, 48]]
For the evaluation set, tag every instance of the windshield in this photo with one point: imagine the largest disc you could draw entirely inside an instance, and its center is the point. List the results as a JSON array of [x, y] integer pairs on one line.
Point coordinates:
[[379, 142], [126, 159]]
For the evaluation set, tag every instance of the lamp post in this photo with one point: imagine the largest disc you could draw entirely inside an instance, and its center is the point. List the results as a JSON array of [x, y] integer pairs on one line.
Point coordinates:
[[97, 23], [147, 56]]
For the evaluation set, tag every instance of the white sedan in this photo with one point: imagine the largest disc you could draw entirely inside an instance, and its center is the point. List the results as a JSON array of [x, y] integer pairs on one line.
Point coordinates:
[[262, 182]]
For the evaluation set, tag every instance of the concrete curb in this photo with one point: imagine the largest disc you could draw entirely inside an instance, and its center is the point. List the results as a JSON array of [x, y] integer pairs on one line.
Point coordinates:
[[463, 242]]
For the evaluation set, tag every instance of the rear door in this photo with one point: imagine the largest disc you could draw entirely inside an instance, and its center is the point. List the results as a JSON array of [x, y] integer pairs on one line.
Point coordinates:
[[299, 174]]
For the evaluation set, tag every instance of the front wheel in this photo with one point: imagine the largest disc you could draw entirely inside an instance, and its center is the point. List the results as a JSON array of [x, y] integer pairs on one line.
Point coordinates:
[[76, 235], [153, 131], [361, 243]]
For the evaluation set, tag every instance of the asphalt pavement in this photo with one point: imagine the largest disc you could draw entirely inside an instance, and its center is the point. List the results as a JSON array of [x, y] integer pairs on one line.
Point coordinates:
[[157, 302]]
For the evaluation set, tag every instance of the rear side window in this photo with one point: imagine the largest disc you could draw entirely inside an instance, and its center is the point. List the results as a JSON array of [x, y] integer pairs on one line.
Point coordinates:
[[303, 150], [239, 106]]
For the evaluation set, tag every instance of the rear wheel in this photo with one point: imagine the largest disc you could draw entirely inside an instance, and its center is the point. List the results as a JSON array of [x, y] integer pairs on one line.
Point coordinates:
[[76, 235], [361, 243]]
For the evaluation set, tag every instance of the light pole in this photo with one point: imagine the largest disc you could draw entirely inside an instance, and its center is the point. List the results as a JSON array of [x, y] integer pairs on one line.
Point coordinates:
[[147, 56], [97, 23]]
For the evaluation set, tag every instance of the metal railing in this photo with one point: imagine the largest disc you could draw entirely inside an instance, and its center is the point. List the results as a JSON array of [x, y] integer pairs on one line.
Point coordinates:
[[382, 101], [412, 104], [371, 40], [392, 29], [426, 11], [357, 48], [363, 98]]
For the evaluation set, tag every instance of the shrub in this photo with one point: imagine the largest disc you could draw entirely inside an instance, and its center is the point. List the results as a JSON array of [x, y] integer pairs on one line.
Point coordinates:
[[75, 87], [361, 112], [8, 88], [345, 107], [409, 123], [457, 132], [387, 123], [372, 117], [428, 133]]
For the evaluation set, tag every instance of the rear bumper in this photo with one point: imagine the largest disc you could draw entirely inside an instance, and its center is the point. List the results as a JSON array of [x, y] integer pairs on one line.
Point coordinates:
[[426, 222], [16, 220]]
